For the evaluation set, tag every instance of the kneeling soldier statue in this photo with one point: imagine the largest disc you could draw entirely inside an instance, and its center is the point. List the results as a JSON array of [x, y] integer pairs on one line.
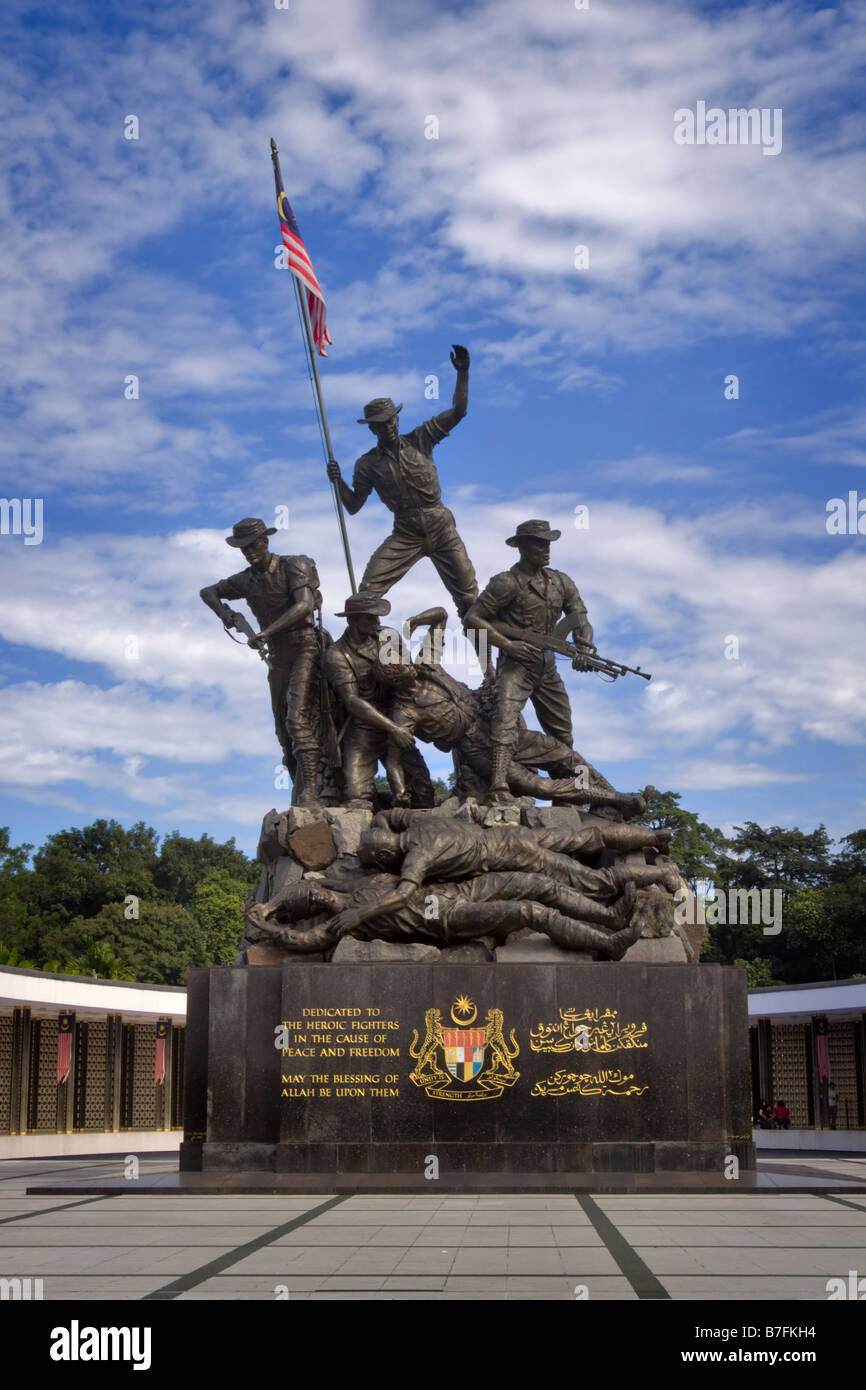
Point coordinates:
[[364, 686]]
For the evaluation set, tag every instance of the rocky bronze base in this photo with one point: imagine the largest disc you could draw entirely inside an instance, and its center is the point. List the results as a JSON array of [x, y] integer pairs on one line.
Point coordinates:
[[300, 844], [433, 1070]]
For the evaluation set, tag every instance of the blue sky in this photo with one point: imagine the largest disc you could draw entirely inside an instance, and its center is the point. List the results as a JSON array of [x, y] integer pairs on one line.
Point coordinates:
[[601, 386]]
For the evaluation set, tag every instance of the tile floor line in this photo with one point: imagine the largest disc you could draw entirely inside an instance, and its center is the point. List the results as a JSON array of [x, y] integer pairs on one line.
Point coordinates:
[[638, 1274], [854, 1206], [95, 1164], [43, 1211], [240, 1252]]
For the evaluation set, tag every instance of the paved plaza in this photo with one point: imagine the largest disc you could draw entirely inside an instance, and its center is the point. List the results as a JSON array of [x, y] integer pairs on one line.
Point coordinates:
[[775, 1246]]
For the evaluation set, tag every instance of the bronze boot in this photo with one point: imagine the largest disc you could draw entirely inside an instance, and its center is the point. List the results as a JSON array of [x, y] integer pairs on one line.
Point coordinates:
[[308, 761], [500, 757]]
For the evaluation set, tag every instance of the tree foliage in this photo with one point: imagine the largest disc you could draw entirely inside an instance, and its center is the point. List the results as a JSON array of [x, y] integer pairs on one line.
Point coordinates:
[[111, 900], [218, 905], [776, 858]]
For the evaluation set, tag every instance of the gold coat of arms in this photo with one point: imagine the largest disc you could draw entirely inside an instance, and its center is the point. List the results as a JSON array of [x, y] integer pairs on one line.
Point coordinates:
[[478, 1061]]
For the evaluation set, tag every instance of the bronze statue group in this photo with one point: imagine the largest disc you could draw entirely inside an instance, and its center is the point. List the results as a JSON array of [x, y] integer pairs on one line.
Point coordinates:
[[344, 707]]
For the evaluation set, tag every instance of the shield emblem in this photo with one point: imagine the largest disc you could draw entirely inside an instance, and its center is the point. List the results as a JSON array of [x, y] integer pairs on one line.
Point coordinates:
[[464, 1051]]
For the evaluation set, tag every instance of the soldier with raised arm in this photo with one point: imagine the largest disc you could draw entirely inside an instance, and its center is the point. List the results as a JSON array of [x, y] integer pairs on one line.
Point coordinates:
[[400, 469], [528, 597], [282, 592]]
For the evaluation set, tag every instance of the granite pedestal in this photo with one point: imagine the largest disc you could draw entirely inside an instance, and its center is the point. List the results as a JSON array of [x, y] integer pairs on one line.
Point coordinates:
[[445, 1069]]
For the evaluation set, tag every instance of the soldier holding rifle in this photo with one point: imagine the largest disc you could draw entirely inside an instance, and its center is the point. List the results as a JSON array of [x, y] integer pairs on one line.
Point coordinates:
[[283, 593], [528, 596], [521, 611]]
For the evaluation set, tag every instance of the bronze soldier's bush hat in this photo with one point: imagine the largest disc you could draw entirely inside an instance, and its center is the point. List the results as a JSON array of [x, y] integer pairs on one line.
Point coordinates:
[[533, 530], [365, 602], [379, 410], [246, 531]]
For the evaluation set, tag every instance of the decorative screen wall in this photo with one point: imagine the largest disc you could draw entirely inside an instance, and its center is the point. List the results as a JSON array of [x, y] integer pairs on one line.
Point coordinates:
[[91, 1076], [843, 1070], [5, 1074], [42, 1108], [143, 1099], [91, 1107], [789, 1071]]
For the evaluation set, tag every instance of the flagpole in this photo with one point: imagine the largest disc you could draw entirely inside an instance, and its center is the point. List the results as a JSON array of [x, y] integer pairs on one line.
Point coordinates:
[[318, 385]]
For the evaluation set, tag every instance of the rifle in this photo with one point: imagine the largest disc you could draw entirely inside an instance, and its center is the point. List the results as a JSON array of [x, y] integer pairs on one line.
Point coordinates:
[[579, 651], [239, 622]]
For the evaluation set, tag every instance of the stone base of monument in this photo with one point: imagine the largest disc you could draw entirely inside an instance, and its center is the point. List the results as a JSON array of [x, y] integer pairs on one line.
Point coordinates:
[[457, 1070]]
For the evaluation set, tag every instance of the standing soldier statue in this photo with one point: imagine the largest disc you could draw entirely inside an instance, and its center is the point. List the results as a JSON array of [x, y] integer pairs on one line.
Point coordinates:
[[283, 593], [402, 472], [528, 597]]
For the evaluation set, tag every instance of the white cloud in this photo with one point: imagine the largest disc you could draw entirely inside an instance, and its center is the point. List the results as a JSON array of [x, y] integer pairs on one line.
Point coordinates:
[[555, 129]]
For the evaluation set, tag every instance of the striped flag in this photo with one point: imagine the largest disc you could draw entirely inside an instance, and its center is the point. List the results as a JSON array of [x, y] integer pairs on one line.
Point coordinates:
[[162, 1030], [822, 1048], [299, 263], [65, 1030]]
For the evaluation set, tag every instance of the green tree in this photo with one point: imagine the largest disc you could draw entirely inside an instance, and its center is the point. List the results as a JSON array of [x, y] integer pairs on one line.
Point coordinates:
[[79, 871], [9, 956], [97, 960], [850, 862], [184, 862], [17, 924], [758, 972], [159, 947], [13, 862], [218, 907], [727, 942], [823, 934], [83, 876], [776, 857]]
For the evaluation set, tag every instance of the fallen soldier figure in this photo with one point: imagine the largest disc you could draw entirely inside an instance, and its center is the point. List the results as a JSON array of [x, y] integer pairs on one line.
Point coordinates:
[[443, 847], [490, 904]]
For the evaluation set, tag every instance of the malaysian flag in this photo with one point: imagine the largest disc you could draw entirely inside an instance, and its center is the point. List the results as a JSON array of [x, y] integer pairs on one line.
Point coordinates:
[[162, 1029], [299, 263], [822, 1047], [65, 1030]]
